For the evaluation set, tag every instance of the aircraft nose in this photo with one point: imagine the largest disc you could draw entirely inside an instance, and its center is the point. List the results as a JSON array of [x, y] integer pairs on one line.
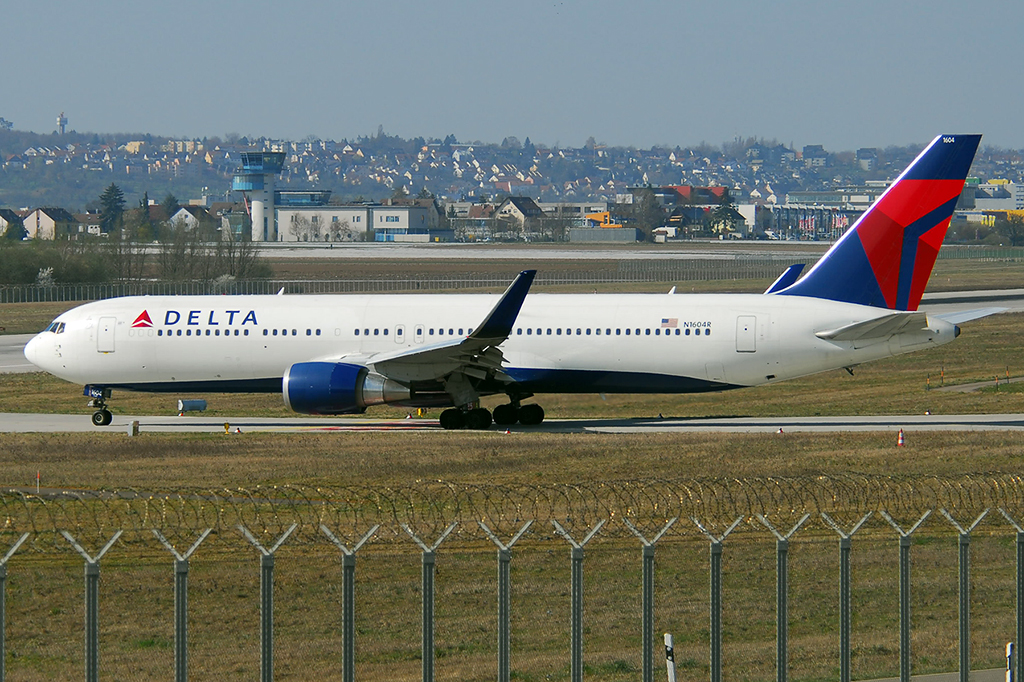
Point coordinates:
[[34, 350]]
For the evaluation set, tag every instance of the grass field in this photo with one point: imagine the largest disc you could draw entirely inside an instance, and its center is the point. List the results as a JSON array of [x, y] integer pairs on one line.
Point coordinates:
[[44, 583]]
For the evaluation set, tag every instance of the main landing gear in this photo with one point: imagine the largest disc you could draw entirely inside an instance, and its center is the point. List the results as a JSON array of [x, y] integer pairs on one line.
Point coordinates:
[[504, 415], [102, 416]]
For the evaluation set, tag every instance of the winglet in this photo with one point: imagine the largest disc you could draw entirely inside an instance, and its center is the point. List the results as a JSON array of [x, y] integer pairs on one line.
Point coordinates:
[[786, 278], [498, 323]]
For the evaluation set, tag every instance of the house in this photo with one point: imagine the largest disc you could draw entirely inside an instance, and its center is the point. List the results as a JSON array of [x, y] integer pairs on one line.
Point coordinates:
[[191, 216], [48, 223], [519, 209], [7, 219]]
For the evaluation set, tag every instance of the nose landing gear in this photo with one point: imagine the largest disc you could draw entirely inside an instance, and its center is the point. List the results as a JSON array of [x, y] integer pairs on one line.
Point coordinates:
[[102, 416]]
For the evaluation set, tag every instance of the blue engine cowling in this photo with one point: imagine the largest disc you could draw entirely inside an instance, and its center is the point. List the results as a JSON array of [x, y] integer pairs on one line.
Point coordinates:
[[337, 388]]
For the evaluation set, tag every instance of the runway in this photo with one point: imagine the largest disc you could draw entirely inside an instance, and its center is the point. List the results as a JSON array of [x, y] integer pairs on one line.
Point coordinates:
[[239, 426]]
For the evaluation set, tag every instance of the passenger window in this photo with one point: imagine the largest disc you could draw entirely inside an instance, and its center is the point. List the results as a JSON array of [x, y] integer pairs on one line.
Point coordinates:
[[451, 332], [431, 332], [677, 332], [558, 332], [588, 331], [309, 332], [376, 332], [707, 331], [317, 333], [159, 332], [275, 332], [627, 332], [188, 332], [519, 332], [608, 332], [385, 332], [549, 332], [246, 333], [687, 332], [179, 332], [597, 331], [638, 332], [578, 332], [295, 332], [357, 332], [529, 331], [207, 332], [216, 332], [618, 332], [460, 331], [539, 331], [647, 331], [366, 332], [657, 332]]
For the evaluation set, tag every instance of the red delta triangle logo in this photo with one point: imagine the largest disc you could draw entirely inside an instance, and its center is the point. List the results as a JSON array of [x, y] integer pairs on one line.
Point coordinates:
[[142, 320]]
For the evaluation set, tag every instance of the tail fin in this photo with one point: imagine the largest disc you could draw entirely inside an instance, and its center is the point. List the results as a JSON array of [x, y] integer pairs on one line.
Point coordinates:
[[886, 258]]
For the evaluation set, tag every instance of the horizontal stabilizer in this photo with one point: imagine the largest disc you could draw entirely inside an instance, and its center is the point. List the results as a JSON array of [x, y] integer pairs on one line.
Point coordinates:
[[968, 315], [878, 328]]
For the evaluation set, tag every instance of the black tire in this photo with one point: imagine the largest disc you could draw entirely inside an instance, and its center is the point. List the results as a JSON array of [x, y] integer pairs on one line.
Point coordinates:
[[478, 419], [452, 419], [506, 415], [531, 415], [101, 418]]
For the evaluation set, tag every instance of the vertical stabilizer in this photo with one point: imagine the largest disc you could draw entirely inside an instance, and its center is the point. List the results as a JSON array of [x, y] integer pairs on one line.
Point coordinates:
[[886, 258]]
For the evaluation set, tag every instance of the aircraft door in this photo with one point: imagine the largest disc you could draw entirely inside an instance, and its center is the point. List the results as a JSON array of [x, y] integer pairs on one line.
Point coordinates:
[[400, 333], [105, 335], [746, 334], [418, 335]]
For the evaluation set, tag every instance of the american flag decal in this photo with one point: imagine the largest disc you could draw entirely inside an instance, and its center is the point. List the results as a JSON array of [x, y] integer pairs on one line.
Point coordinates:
[[669, 322]]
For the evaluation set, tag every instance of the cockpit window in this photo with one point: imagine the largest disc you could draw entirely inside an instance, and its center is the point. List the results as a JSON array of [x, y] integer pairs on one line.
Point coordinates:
[[60, 328], [55, 327]]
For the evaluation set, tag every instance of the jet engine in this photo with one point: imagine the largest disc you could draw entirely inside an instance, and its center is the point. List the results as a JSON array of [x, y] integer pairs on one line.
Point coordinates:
[[337, 388]]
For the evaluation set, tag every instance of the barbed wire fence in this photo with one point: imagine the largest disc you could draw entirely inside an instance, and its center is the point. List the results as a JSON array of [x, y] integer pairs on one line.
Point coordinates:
[[445, 516]]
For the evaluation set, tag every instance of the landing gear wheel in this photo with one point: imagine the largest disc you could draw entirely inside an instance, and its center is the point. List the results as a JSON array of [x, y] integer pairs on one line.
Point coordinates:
[[506, 415], [452, 419], [101, 418], [531, 415], [478, 419]]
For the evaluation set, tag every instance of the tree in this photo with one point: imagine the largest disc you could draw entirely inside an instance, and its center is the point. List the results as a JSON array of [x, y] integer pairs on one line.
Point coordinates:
[[125, 251], [111, 208], [170, 206], [1011, 229], [300, 227]]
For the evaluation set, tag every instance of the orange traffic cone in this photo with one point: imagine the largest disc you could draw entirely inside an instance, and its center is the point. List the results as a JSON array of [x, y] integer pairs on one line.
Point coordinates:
[[899, 439]]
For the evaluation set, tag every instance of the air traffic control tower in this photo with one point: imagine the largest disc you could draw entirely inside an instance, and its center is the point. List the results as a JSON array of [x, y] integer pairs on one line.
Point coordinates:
[[256, 183]]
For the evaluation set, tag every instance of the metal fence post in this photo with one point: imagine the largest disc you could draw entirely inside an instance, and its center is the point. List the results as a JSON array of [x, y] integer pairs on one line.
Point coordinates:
[[348, 604], [267, 600], [905, 591], [964, 564], [429, 560], [504, 598], [1018, 659], [92, 605], [716, 596], [181, 602], [782, 595], [3, 602], [845, 543], [647, 615], [576, 598]]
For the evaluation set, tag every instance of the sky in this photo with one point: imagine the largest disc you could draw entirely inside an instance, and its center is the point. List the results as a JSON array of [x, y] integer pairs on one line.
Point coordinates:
[[869, 73]]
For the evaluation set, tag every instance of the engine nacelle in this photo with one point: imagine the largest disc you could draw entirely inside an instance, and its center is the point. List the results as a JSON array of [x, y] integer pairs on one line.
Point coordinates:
[[337, 388]]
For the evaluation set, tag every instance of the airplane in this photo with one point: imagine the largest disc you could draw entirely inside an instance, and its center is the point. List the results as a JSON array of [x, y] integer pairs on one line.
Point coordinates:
[[339, 354]]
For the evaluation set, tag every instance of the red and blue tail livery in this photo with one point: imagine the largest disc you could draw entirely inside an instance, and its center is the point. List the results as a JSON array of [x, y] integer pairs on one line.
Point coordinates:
[[885, 260]]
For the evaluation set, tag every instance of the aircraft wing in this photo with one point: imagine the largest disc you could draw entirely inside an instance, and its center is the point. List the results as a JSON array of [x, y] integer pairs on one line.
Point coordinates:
[[476, 355], [879, 328]]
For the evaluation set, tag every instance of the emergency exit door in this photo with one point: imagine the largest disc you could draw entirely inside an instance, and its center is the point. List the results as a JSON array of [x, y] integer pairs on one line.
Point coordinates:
[[105, 334], [746, 334]]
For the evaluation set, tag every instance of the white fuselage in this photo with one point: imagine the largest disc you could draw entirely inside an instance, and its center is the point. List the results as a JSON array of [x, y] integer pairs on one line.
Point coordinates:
[[562, 342]]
